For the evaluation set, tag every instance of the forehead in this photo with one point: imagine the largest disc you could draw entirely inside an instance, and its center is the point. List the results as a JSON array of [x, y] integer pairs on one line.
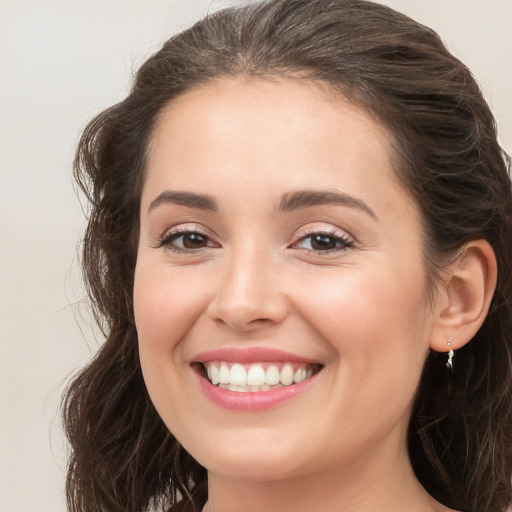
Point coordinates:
[[286, 103], [265, 132]]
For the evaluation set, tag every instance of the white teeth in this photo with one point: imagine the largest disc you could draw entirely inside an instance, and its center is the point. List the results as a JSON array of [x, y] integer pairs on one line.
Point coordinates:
[[286, 375], [214, 374], [238, 375], [256, 376], [301, 374], [272, 376], [240, 389], [253, 377], [224, 374]]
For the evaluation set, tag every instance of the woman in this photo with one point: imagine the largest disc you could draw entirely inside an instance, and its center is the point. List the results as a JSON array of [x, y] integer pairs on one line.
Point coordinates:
[[298, 249]]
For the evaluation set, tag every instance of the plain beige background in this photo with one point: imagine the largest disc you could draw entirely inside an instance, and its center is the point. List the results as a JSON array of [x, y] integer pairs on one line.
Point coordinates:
[[61, 61]]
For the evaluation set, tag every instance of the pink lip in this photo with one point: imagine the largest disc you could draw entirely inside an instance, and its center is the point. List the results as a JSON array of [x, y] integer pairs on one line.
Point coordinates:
[[252, 402], [249, 355]]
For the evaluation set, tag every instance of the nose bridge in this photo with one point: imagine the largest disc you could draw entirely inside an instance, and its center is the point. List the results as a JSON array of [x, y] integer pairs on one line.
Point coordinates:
[[248, 294]]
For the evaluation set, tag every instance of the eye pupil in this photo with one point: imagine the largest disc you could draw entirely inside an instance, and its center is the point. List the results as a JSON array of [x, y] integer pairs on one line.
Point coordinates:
[[194, 240], [319, 242]]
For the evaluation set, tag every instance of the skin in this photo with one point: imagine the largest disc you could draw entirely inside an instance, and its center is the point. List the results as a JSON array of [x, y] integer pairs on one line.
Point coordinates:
[[360, 310]]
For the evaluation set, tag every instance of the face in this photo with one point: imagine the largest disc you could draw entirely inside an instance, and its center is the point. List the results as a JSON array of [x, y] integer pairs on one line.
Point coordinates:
[[280, 295]]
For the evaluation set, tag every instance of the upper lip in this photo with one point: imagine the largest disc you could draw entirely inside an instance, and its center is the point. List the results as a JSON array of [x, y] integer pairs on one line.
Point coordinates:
[[250, 355]]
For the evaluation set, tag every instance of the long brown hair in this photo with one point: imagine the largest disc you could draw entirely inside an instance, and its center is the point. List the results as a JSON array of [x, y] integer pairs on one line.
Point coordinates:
[[123, 458]]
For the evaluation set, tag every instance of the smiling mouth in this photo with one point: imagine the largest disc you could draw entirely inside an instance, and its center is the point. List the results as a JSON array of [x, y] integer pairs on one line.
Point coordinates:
[[252, 378]]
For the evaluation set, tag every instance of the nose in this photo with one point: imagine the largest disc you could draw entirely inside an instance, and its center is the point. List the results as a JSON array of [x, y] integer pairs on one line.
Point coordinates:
[[248, 295]]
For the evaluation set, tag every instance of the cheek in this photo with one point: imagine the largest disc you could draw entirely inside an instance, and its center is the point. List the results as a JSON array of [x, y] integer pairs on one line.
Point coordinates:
[[153, 322], [375, 328], [371, 317], [166, 305]]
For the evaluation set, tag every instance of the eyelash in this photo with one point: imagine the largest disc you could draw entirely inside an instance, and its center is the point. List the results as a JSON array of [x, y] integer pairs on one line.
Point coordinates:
[[171, 236], [342, 242]]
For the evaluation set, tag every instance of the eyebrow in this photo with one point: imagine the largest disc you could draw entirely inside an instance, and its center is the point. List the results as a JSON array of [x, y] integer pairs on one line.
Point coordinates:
[[306, 198], [190, 199], [289, 202]]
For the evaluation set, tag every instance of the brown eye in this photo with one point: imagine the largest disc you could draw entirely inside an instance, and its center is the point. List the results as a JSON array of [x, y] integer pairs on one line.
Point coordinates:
[[193, 240], [321, 242], [183, 241], [324, 242]]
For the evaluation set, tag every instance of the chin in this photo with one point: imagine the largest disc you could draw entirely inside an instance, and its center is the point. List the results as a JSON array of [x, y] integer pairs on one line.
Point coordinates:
[[263, 460], [252, 469]]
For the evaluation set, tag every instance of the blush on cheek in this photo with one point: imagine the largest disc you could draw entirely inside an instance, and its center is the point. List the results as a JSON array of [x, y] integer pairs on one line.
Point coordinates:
[[167, 304]]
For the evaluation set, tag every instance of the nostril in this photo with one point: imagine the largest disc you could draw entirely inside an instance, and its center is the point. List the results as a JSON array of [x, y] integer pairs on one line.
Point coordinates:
[[260, 321], [247, 307], [241, 325]]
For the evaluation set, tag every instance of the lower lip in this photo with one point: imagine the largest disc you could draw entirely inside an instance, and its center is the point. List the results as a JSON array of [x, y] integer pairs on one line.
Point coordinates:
[[253, 401]]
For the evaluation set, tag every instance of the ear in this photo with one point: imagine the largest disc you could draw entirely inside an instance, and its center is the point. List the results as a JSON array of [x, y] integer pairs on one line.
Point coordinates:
[[464, 299]]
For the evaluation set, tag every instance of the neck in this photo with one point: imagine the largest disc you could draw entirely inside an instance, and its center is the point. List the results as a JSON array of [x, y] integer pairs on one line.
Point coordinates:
[[370, 482]]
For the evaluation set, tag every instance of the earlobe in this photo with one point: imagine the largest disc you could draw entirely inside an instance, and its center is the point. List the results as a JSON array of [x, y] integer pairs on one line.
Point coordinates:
[[466, 296]]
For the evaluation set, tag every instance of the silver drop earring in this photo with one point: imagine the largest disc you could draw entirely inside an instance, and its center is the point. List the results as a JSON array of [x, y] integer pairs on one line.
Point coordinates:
[[449, 363]]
